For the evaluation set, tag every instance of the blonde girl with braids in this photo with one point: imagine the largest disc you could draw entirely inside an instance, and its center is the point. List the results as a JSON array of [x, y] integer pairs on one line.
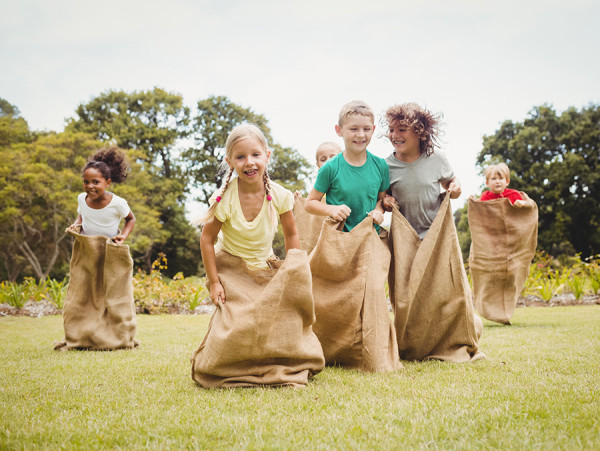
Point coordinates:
[[243, 213]]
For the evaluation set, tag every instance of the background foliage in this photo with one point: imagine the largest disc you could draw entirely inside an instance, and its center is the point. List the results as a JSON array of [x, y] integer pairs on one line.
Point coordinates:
[[174, 153], [555, 159]]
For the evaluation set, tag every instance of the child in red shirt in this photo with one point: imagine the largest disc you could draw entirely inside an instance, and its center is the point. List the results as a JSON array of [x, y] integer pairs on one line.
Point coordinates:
[[497, 178]]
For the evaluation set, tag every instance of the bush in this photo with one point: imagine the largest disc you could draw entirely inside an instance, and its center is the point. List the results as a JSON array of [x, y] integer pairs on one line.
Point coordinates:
[[154, 293]]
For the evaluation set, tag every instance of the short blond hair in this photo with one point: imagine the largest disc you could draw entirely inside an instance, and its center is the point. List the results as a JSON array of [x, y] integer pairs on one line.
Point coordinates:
[[500, 168], [355, 107], [327, 145]]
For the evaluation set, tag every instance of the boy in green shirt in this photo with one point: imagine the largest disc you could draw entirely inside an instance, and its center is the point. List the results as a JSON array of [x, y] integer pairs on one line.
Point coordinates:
[[355, 181]]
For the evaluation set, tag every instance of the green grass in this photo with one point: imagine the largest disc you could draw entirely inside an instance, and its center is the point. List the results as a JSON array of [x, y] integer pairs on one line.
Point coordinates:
[[538, 389]]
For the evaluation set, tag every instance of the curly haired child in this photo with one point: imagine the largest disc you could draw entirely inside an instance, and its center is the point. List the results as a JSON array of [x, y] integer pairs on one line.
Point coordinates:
[[417, 169]]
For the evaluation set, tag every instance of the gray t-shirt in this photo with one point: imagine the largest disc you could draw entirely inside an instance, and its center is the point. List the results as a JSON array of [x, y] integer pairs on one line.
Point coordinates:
[[416, 187]]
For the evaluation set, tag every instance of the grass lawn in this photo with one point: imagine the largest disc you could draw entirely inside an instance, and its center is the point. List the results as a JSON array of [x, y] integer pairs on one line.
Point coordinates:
[[538, 389]]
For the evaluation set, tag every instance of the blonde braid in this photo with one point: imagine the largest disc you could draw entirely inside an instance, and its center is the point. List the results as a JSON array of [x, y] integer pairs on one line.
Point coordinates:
[[211, 211], [267, 184]]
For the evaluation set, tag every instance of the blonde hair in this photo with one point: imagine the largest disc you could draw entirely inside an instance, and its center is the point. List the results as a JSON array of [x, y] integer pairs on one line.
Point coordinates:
[[423, 122], [236, 135], [500, 168], [355, 107], [327, 144]]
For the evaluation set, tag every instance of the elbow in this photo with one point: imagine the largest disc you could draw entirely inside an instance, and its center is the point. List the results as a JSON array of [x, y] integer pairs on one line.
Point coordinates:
[[308, 206]]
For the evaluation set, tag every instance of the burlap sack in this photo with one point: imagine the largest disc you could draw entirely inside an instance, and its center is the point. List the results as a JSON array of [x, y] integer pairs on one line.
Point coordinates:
[[430, 292], [99, 313], [353, 321], [504, 238], [263, 334], [309, 225]]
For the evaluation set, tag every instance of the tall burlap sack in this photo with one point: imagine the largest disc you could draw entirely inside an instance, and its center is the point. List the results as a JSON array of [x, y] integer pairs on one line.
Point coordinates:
[[99, 312], [309, 225], [430, 292], [353, 323], [262, 334], [503, 243]]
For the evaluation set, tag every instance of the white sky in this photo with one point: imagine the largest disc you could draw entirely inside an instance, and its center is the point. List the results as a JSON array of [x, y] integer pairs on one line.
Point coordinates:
[[297, 62]]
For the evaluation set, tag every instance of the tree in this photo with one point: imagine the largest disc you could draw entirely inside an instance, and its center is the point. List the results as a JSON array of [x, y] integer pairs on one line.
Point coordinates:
[[214, 119], [39, 183], [289, 168], [461, 221], [13, 128], [152, 123], [555, 159]]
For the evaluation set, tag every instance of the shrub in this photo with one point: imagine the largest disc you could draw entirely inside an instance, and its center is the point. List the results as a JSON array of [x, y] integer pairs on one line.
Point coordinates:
[[155, 293], [13, 294], [57, 291]]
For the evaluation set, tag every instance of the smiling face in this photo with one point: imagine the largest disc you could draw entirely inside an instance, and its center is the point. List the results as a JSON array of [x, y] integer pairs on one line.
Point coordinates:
[[249, 159], [497, 182], [356, 131], [405, 141], [94, 184]]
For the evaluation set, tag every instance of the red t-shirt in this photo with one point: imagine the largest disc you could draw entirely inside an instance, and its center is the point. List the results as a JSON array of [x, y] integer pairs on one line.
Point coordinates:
[[511, 194]]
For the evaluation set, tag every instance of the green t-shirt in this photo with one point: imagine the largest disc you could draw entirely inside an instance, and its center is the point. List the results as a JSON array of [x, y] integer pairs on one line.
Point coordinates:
[[354, 186]]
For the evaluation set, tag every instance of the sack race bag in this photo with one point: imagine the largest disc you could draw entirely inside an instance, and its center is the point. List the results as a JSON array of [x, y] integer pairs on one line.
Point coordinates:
[[353, 322], [99, 312], [262, 334], [430, 292], [309, 225], [503, 243]]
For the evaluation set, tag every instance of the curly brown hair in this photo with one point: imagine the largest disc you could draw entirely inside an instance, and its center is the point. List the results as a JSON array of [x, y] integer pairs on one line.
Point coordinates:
[[111, 163], [423, 122]]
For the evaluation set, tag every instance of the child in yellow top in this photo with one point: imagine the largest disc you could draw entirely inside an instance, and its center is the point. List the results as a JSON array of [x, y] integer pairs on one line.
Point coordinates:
[[243, 213]]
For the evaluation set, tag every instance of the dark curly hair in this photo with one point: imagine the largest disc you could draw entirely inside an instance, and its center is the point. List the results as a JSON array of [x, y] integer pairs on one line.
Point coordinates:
[[111, 163], [420, 120]]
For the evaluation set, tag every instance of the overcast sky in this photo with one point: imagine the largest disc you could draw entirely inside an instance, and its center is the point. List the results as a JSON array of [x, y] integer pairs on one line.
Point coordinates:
[[297, 62]]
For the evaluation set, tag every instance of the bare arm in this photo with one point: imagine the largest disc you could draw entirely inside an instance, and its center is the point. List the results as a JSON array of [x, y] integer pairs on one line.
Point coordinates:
[[314, 206], [73, 226], [388, 202], [453, 187], [290, 231], [207, 247], [129, 223], [525, 202]]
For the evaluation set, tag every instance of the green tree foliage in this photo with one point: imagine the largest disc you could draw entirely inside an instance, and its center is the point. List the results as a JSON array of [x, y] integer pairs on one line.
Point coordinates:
[[41, 176], [39, 184], [555, 159], [461, 221], [13, 128], [152, 123], [289, 168]]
